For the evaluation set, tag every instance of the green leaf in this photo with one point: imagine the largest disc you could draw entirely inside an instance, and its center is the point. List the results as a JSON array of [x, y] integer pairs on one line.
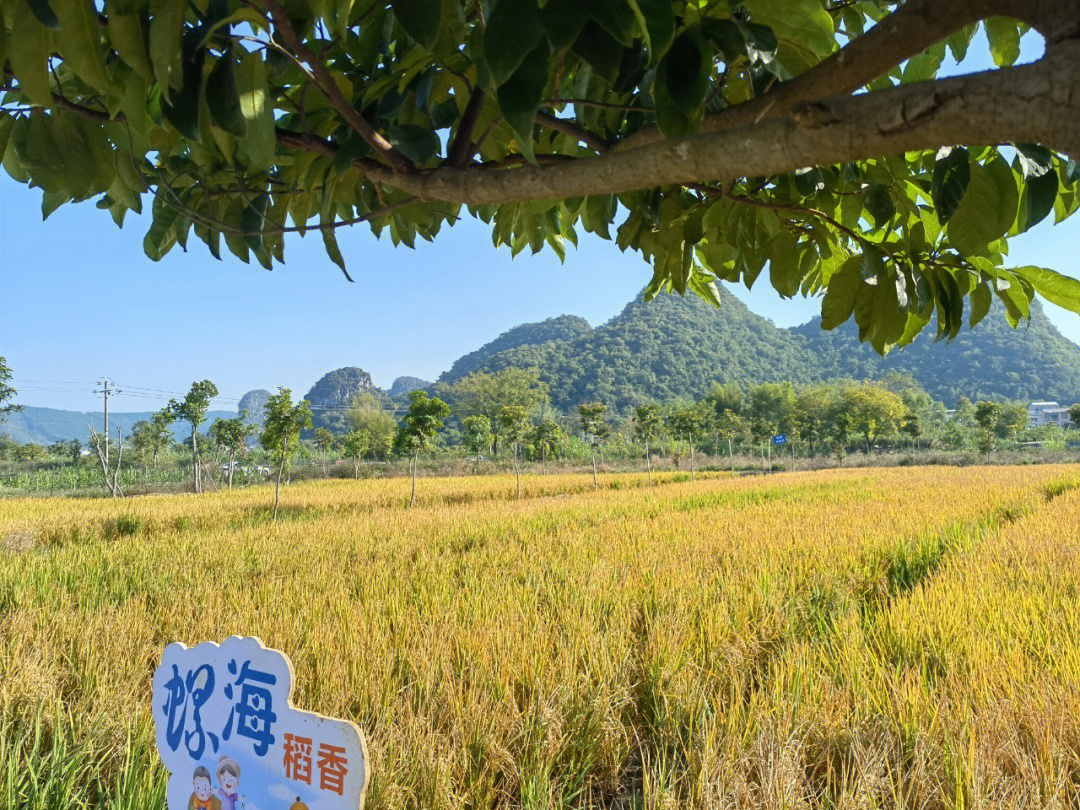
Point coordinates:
[[563, 21], [1040, 193], [44, 13], [259, 143], [520, 96], [1053, 286], [785, 271], [28, 52], [656, 21], [839, 300], [1006, 193], [879, 202], [127, 39], [802, 22], [157, 241], [182, 110], [1004, 37], [253, 218], [682, 85], [981, 298], [600, 50], [417, 143], [512, 33], [223, 96], [420, 19], [977, 219], [1034, 159], [952, 172], [166, 49], [79, 41], [329, 236], [615, 17]]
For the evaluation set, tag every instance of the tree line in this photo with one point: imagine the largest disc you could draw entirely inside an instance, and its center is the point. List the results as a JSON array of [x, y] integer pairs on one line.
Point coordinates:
[[507, 416]]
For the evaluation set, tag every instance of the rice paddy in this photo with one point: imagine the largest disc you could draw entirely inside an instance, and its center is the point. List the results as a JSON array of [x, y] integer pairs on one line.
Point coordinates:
[[884, 638]]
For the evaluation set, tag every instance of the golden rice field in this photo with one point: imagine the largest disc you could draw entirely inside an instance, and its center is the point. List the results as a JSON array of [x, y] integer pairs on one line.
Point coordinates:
[[885, 638]]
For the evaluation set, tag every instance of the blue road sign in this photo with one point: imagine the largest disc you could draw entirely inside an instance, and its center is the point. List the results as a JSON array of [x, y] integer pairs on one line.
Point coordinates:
[[780, 438]]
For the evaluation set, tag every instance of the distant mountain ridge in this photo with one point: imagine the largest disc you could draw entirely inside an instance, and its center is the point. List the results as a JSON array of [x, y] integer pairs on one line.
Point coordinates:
[[48, 425], [676, 347]]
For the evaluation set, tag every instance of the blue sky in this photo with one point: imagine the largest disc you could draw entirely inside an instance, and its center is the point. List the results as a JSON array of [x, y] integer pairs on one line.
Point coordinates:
[[81, 300]]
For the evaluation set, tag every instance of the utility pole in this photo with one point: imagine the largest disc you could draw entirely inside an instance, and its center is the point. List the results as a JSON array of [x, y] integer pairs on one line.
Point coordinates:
[[105, 390]]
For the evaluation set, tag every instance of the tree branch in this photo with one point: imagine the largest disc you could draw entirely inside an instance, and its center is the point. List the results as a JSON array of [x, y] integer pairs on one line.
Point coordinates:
[[574, 130], [1038, 102], [326, 84], [458, 152]]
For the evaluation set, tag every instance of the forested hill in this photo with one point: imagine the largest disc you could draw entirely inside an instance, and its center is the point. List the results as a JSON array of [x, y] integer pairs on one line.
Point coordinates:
[[664, 349], [564, 327], [1034, 361], [676, 347]]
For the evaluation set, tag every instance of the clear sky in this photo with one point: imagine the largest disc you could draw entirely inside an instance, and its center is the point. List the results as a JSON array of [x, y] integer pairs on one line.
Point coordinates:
[[81, 300]]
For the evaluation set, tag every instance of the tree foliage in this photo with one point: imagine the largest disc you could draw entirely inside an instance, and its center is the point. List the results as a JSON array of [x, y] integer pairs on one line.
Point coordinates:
[[810, 137], [7, 391]]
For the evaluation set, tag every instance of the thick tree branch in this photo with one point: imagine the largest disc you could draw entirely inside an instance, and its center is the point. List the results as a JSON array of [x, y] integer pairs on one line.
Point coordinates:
[[328, 87], [1038, 102], [911, 29]]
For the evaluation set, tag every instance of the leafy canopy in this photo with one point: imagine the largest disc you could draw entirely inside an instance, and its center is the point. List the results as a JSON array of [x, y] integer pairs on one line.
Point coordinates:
[[193, 407], [7, 391], [715, 139], [283, 424]]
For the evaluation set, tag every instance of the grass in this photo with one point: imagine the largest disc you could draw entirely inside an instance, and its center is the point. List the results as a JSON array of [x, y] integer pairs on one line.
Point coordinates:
[[852, 638]]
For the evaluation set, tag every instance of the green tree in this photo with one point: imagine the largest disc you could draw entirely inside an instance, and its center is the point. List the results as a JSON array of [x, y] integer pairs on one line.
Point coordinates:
[[1074, 415], [477, 436], [964, 413], [368, 414], [987, 415], [594, 426], [30, 453], [546, 438], [715, 139], [732, 427], [774, 403], [231, 435], [356, 444], [912, 426], [282, 426], [841, 425], [812, 411], [323, 440], [873, 411], [418, 428], [487, 393], [1012, 421], [648, 427], [514, 425], [192, 409], [724, 397], [687, 423], [7, 391]]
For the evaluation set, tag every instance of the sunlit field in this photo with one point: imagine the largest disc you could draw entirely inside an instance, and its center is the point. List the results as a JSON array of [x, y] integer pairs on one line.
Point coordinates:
[[844, 639]]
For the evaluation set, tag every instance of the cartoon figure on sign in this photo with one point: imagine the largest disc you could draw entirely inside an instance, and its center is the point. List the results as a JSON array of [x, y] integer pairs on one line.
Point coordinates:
[[222, 710], [228, 774], [201, 796]]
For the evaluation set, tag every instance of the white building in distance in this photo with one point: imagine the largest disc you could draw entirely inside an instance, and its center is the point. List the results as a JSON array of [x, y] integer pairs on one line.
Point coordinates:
[[1048, 413]]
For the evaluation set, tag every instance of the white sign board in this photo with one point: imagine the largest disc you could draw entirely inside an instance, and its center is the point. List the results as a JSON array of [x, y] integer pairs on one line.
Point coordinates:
[[231, 739]]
